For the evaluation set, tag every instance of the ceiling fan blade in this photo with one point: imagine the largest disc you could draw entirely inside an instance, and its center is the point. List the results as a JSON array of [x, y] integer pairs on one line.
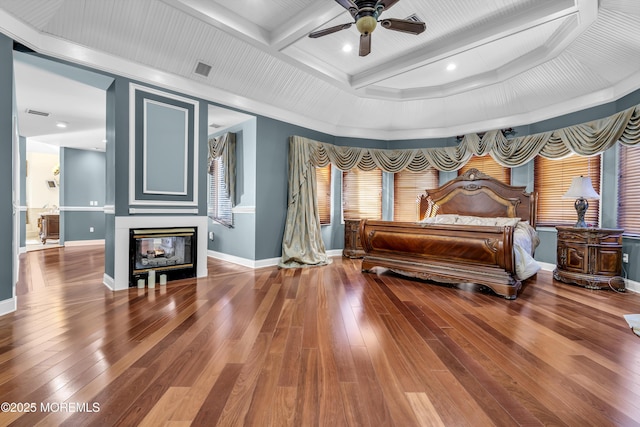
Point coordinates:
[[403, 25], [386, 3], [349, 5], [330, 30], [365, 44]]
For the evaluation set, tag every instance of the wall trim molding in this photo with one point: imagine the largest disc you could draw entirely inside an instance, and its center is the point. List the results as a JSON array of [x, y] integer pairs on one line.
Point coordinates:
[[8, 306], [84, 242], [81, 209], [632, 285], [109, 209], [261, 263], [134, 88], [245, 262], [108, 281], [101, 61], [192, 211], [243, 210], [547, 266]]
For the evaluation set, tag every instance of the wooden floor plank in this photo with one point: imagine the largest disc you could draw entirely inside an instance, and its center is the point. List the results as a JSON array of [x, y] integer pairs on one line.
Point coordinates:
[[323, 346]]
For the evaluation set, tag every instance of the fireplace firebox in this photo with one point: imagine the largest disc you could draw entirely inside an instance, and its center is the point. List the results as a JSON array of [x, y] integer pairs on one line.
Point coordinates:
[[170, 251]]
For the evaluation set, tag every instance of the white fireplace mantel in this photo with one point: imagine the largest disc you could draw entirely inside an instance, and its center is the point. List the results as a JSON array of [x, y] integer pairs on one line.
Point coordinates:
[[124, 223]]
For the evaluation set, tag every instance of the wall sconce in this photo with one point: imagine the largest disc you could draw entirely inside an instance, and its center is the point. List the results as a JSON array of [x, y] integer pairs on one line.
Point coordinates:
[[581, 189]]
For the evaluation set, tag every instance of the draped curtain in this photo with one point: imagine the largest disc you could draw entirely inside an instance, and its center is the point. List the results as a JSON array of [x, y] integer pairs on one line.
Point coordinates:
[[302, 242], [224, 146]]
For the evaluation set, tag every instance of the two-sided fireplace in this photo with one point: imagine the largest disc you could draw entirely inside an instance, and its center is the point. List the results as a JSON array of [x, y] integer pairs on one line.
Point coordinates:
[[170, 251]]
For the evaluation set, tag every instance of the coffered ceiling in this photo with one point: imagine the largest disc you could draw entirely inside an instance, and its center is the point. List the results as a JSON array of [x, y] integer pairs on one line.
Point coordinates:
[[479, 65]]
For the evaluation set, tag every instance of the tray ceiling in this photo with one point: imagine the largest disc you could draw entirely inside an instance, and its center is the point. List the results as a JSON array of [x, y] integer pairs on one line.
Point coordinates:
[[516, 61]]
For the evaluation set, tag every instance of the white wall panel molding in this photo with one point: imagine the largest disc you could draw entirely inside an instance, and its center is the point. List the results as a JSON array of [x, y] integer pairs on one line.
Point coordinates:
[[185, 166]]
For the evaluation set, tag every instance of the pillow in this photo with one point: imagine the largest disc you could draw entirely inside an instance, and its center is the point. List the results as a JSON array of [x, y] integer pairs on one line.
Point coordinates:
[[429, 220], [503, 222], [471, 220], [446, 219]]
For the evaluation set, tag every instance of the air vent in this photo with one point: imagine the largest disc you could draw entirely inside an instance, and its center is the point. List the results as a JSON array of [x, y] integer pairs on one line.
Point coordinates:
[[414, 18], [37, 113], [203, 69]]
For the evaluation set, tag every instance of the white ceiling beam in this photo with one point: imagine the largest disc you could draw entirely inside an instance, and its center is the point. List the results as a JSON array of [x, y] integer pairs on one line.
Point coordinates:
[[466, 40]]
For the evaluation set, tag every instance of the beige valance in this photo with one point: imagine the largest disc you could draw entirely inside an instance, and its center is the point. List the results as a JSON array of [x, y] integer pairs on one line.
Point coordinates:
[[302, 243], [224, 146]]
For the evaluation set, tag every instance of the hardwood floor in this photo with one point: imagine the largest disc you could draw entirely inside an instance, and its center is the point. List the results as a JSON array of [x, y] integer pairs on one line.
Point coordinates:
[[324, 346]]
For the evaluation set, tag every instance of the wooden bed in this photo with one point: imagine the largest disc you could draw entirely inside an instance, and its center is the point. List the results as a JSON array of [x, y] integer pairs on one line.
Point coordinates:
[[454, 254]]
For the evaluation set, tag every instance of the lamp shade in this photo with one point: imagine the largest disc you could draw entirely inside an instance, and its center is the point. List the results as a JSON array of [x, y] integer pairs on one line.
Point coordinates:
[[581, 187]]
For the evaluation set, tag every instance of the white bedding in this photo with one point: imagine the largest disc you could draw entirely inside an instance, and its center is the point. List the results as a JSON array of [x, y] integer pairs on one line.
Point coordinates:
[[525, 238]]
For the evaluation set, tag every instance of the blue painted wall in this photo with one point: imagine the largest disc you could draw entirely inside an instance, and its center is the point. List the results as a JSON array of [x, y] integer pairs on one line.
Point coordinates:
[[272, 152], [239, 240], [7, 254], [82, 181]]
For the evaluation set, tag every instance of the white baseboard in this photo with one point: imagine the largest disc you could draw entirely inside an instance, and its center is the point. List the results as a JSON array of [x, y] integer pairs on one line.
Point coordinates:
[[632, 285], [8, 306], [269, 262], [334, 253], [547, 266], [84, 242], [22, 250], [243, 261], [108, 281]]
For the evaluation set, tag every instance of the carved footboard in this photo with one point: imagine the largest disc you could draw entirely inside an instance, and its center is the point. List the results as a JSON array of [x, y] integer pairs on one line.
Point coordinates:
[[450, 254]]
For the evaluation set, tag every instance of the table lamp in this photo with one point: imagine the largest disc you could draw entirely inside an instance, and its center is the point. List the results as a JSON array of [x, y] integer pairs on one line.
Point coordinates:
[[581, 189]]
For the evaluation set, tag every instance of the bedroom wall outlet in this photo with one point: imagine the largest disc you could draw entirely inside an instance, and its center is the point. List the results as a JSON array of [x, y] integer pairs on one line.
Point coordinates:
[[90, 229], [211, 235], [625, 258]]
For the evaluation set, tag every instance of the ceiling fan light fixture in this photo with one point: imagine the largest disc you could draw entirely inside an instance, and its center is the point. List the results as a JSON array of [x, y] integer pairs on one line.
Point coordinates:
[[366, 24]]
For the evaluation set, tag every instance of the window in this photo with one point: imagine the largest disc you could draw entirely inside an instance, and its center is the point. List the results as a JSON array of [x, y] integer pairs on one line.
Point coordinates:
[[219, 205], [407, 187], [553, 179], [628, 194], [489, 166], [362, 194], [323, 193]]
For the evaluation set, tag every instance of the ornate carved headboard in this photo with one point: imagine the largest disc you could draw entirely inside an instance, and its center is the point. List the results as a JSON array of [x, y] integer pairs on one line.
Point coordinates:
[[477, 194]]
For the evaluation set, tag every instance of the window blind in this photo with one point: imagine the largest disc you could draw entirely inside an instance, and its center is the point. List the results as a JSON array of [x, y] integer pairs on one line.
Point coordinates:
[[487, 165], [362, 194], [407, 187], [628, 193], [552, 179], [323, 192], [219, 205]]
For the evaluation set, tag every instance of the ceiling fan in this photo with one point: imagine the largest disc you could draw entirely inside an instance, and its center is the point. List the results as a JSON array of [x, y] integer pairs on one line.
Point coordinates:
[[365, 14]]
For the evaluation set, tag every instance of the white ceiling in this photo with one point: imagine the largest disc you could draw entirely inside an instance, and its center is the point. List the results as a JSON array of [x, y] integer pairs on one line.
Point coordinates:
[[517, 61]]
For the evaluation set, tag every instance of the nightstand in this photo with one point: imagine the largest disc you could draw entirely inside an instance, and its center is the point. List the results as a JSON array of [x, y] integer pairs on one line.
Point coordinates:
[[352, 244], [589, 257]]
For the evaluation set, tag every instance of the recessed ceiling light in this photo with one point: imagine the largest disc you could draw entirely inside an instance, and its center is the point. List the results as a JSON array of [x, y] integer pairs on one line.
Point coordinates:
[[347, 48], [62, 124], [451, 66]]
